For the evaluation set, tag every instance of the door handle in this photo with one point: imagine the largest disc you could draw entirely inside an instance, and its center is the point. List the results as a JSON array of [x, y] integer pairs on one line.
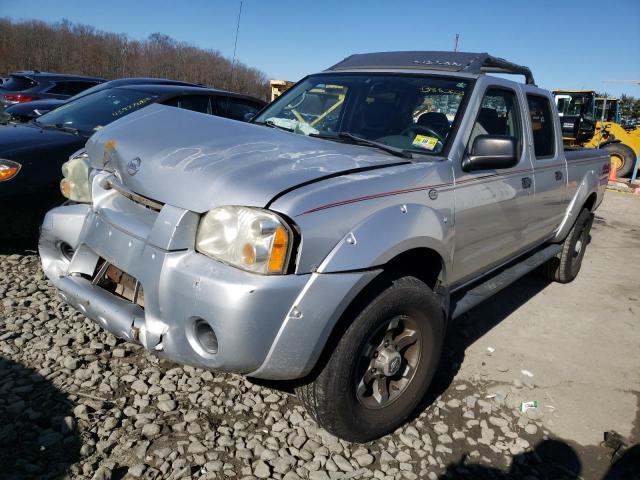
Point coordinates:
[[558, 175], [526, 182]]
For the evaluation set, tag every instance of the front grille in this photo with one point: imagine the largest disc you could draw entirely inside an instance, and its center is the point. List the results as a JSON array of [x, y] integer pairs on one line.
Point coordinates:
[[134, 197], [119, 283]]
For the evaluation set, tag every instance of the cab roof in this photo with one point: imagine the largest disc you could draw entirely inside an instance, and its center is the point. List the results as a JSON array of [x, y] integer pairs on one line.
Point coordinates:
[[574, 91], [468, 62]]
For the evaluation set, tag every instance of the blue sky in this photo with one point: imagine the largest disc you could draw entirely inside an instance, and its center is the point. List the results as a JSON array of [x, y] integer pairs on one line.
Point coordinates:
[[567, 43]]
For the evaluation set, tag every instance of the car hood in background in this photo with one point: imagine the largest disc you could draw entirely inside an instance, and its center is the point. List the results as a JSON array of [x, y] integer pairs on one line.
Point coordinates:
[[197, 161], [14, 138], [42, 106]]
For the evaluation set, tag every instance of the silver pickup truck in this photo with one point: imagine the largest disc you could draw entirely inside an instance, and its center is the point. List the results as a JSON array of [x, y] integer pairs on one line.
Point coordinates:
[[332, 240]]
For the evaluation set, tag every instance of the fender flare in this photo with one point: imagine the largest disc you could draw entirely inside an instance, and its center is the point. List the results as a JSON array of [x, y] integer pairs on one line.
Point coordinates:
[[386, 234], [608, 142], [588, 185]]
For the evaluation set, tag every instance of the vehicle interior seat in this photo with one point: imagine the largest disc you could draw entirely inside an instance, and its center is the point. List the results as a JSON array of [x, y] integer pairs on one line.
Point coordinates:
[[378, 119], [494, 125]]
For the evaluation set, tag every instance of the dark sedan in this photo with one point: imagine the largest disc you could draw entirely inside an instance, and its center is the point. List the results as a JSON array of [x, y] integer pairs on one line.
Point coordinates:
[[27, 111], [27, 86], [32, 154]]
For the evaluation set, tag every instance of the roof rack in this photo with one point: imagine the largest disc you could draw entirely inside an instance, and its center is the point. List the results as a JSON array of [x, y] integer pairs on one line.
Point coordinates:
[[476, 63]]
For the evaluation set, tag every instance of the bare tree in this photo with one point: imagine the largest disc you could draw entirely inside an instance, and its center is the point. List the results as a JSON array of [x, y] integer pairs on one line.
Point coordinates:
[[69, 47]]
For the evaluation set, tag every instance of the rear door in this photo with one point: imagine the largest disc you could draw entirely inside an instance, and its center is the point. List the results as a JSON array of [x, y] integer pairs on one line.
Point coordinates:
[[549, 164], [493, 207]]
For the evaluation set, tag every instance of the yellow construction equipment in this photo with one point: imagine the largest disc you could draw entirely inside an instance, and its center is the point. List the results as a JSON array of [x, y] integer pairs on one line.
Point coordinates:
[[278, 87], [594, 122]]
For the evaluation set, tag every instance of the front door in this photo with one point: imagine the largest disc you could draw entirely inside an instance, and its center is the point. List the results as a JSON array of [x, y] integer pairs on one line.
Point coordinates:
[[492, 206]]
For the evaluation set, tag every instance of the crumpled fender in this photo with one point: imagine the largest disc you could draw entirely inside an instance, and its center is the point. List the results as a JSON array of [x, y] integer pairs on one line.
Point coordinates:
[[388, 233], [588, 185]]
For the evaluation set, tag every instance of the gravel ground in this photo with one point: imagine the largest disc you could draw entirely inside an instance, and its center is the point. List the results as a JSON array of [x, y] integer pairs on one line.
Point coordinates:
[[77, 402]]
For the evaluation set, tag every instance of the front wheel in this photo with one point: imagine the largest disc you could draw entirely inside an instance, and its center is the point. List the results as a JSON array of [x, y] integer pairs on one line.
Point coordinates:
[[622, 157], [564, 267], [382, 365]]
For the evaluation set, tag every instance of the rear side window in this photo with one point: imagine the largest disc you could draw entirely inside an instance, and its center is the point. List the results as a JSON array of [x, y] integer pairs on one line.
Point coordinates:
[[71, 87], [17, 83], [195, 103], [236, 109], [58, 88], [76, 87], [542, 126]]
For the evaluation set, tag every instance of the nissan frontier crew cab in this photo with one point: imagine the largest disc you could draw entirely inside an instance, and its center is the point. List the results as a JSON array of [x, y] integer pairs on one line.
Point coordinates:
[[332, 240]]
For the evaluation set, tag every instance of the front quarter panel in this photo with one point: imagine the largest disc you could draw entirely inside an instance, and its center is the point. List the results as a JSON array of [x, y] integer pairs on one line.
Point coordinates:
[[386, 234], [362, 220]]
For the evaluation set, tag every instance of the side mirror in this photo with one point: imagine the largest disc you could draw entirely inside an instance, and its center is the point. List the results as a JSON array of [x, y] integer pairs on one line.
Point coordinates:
[[491, 152], [249, 116]]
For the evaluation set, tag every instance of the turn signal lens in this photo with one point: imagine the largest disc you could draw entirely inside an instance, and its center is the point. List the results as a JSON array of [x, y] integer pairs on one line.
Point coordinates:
[[278, 251], [8, 169]]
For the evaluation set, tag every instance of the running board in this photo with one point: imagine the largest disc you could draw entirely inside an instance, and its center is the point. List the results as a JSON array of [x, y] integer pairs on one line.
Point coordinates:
[[497, 282]]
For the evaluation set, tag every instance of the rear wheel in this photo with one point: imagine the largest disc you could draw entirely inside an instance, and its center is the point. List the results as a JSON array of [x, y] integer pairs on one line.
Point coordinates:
[[622, 157], [382, 365], [564, 267]]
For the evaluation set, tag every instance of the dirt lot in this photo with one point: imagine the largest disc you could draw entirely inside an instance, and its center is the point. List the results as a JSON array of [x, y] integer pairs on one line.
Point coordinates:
[[75, 401]]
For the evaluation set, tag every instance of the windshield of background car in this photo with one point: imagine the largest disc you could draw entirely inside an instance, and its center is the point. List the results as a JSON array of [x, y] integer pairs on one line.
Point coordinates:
[[90, 113], [411, 112]]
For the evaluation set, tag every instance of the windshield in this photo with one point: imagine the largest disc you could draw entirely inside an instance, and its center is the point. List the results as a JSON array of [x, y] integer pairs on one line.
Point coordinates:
[[92, 112], [574, 105], [413, 113]]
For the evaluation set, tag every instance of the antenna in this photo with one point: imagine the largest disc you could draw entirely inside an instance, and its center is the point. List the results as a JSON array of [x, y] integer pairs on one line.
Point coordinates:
[[235, 46], [455, 45]]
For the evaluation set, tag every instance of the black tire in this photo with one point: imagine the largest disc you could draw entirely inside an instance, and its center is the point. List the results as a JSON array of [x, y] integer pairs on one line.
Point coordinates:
[[333, 398], [625, 156], [564, 267]]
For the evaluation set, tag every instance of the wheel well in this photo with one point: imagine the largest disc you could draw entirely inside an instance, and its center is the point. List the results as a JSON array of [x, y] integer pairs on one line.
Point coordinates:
[[591, 201], [422, 263]]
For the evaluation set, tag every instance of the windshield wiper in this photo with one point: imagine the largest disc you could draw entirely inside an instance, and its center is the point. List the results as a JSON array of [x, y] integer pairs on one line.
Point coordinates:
[[271, 124], [398, 152], [56, 126]]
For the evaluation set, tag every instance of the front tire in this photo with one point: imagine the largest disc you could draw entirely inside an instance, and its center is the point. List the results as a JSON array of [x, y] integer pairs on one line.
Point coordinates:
[[623, 156], [564, 267], [381, 366]]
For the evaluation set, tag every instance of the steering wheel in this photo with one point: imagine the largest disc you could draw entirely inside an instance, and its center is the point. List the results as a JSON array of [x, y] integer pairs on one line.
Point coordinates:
[[424, 129]]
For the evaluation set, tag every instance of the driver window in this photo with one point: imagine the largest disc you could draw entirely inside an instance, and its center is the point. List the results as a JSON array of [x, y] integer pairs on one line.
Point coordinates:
[[498, 115]]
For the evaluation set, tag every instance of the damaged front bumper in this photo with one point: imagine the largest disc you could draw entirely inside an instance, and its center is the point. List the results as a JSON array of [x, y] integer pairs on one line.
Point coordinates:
[[265, 326]]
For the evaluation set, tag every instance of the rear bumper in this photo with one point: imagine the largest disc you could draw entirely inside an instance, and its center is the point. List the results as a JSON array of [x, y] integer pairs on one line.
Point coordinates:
[[250, 314]]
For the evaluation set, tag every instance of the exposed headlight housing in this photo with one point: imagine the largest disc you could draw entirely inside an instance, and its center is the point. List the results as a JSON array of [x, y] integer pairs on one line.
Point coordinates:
[[249, 238], [8, 169], [75, 184]]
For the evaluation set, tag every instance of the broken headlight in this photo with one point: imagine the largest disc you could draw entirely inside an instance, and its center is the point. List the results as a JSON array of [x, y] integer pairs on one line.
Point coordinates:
[[75, 184], [249, 238]]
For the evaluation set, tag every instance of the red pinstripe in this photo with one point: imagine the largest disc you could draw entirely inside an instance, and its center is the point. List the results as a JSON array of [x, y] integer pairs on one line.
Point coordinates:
[[440, 185]]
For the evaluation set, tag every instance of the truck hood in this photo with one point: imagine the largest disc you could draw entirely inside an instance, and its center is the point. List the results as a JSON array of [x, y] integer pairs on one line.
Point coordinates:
[[197, 161]]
